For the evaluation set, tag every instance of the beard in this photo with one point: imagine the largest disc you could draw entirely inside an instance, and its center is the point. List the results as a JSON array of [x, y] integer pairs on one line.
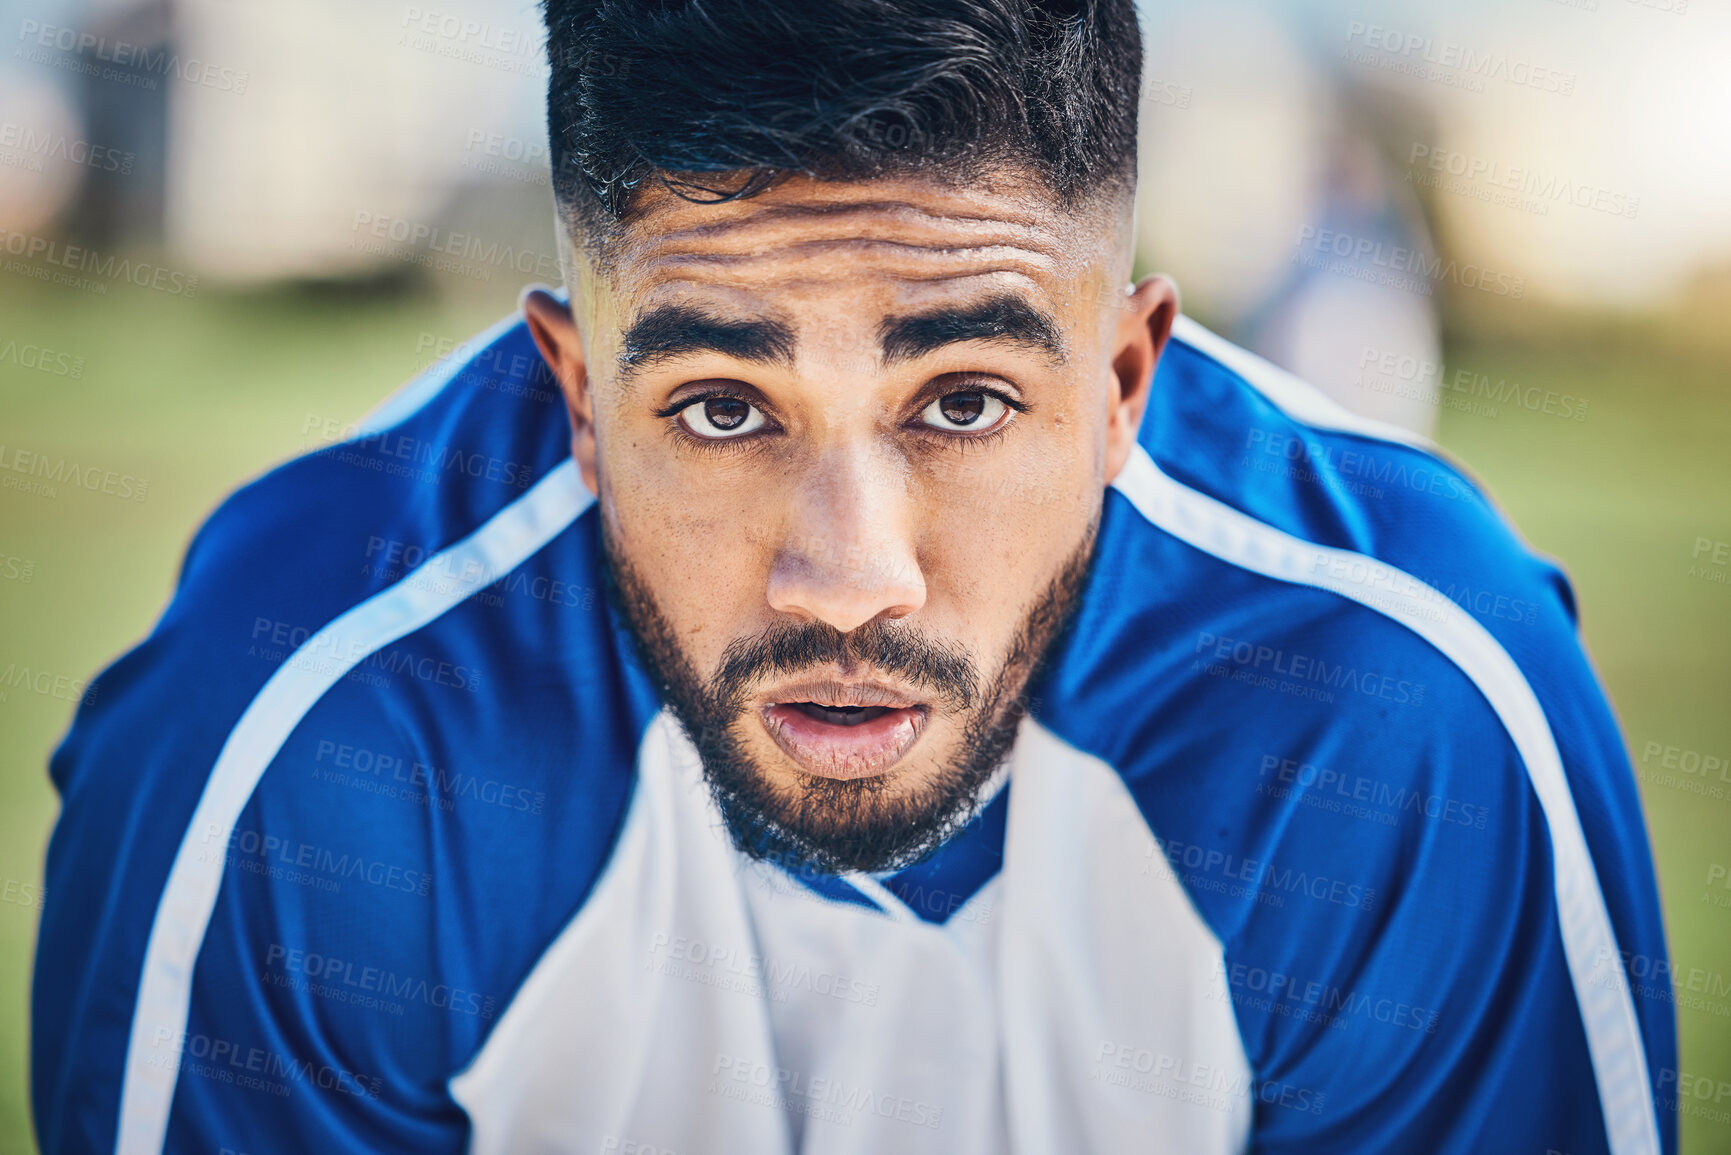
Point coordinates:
[[837, 826]]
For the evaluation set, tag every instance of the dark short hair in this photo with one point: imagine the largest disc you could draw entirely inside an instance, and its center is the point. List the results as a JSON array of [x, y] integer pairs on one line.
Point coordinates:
[[718, 99]]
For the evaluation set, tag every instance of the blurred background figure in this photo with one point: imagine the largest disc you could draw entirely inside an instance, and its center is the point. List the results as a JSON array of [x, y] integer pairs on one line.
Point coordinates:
[[1243, 177]]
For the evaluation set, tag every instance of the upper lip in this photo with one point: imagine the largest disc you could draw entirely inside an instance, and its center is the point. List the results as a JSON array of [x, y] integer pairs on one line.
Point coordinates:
[[833, 692]]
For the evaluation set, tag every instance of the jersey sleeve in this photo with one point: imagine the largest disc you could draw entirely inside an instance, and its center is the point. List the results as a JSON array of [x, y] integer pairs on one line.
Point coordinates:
[[1452, 871], [328, 1011], [399, 851], [1401, 982], [321, 1016]]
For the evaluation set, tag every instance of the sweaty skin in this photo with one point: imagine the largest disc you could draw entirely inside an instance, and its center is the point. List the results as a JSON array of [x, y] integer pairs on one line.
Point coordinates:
[[854, 493]]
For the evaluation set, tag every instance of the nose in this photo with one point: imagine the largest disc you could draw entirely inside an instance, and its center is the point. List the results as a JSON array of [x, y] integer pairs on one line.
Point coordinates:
[[847, 554]]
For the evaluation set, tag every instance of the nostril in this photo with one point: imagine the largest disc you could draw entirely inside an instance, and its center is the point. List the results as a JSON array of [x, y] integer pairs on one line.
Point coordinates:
[[835, 587]]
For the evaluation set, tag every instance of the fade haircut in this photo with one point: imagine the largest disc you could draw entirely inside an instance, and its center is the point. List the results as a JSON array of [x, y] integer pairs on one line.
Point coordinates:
[[719, 99]]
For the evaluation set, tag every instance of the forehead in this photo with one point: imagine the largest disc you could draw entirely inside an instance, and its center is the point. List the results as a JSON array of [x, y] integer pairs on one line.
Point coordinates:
[[861, 249]]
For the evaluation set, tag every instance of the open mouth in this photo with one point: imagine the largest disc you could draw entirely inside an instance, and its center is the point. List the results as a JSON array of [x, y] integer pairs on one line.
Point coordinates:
[[840, 731], [840, 715]]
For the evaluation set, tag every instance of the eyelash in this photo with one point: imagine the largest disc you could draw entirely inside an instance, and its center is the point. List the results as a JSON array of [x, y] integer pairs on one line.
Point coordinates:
[[709, 444], [959, 441]]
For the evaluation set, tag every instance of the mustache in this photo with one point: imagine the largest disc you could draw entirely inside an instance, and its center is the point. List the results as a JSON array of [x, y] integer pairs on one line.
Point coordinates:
[[941, 668]]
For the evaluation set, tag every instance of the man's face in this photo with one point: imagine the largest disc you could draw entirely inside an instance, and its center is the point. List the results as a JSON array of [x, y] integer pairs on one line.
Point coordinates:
[[850, 443]]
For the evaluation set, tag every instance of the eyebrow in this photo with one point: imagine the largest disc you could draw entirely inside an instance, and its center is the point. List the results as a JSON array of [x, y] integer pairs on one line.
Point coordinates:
[[675, 330], [1001, 317]]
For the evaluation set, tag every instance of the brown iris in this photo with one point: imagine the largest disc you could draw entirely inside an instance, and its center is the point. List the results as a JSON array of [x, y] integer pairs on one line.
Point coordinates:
[[962, 408]]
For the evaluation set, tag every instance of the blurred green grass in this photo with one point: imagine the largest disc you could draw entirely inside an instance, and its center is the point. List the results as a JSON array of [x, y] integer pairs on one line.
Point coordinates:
[[197, 396], [1621, 499]]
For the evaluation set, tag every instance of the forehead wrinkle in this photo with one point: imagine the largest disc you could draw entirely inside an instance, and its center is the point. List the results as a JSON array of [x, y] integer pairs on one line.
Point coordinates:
[[898, 214], [739, 242], [828, 280], [855, 265], [913, 250], [747, 276]]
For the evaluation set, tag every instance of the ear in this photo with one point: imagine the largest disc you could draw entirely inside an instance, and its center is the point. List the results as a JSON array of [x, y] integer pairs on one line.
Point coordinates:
[[555, 333], [1149, 309]]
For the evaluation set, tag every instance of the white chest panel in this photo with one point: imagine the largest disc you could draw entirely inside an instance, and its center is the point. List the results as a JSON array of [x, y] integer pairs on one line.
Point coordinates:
[[704, 1004]]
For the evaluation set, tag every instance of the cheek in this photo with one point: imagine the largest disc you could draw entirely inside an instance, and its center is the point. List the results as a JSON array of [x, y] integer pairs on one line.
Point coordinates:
[[996, 533], [698, 549]]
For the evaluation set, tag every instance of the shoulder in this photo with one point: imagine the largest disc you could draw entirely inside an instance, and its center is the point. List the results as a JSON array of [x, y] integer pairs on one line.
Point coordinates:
[[1354, 711], [1228, 425], [376, 519], [324, 733]]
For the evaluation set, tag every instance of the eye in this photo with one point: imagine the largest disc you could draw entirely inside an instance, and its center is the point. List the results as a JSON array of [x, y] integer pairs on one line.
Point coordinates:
[[719, 418], [966, 411]]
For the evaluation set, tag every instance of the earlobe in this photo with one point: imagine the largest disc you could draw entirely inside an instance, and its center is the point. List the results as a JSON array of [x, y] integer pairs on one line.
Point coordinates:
[[1150, 308], [556, 336]]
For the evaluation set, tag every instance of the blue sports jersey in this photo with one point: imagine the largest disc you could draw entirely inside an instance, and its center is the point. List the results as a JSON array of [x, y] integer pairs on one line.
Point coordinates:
[[1319, 835]]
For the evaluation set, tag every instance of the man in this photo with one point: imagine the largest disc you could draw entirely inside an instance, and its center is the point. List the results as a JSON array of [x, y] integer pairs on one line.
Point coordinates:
[[872, 710]]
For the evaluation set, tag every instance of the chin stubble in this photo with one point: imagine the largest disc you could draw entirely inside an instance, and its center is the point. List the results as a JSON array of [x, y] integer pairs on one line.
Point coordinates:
[[833, 826]]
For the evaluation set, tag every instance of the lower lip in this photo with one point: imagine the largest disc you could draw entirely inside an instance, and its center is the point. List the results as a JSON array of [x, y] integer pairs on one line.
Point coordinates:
[[844, 752]]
